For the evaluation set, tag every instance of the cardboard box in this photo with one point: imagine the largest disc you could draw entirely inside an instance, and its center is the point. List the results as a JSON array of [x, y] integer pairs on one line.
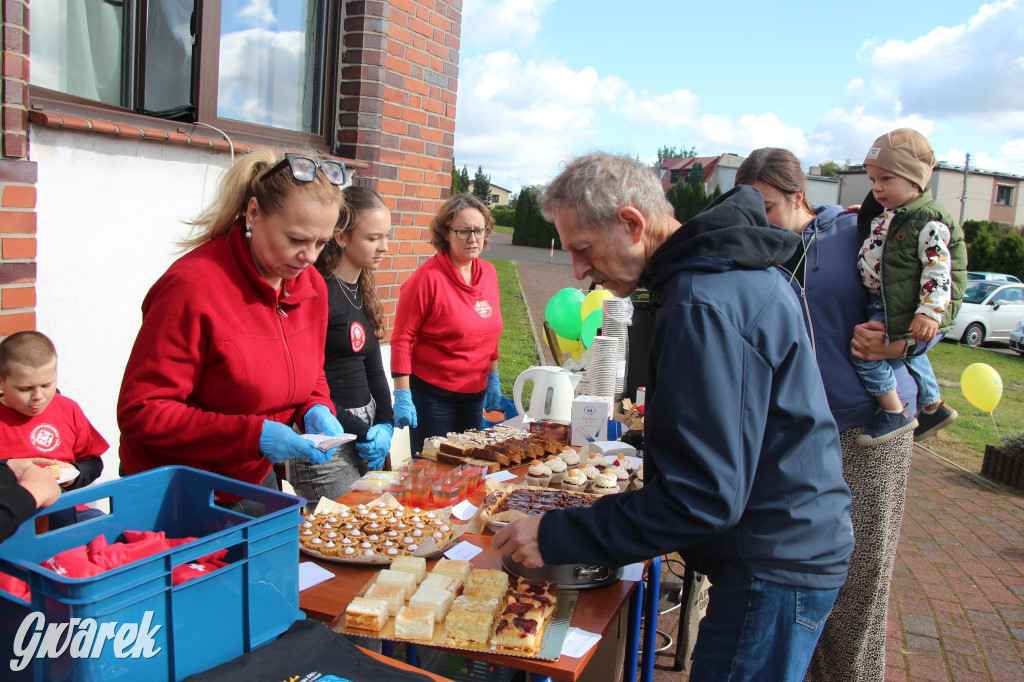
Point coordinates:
[[590, 415]]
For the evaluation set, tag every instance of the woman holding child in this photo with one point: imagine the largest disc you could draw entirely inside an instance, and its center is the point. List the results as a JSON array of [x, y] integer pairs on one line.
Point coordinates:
[[824, 274], [231, 350], [355, 371]]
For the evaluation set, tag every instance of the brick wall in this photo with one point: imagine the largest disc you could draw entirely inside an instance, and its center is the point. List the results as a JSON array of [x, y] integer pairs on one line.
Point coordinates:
[[399, 75], [17, 179]]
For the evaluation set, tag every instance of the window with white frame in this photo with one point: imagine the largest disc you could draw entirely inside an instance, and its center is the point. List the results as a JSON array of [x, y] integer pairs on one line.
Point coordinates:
[[251, 62], [1004, 195]]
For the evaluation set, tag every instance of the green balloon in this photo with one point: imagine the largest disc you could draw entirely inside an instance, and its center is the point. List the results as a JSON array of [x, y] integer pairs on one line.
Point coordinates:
[[590, 327], [563, 313]]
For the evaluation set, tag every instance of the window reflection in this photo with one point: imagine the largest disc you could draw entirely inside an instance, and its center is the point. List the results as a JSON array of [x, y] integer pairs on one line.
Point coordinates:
[[271, 63]]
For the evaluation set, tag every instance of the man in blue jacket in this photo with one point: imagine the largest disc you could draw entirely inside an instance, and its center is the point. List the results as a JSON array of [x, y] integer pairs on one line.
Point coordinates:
[[742, 470]]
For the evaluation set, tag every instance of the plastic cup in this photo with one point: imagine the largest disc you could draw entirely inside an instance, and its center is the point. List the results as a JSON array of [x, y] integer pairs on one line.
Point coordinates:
[[446, 490], [472, 477], [417, 491]]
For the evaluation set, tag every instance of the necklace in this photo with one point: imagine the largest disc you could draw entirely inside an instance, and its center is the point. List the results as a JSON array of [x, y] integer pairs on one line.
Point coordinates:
[[351, 292]]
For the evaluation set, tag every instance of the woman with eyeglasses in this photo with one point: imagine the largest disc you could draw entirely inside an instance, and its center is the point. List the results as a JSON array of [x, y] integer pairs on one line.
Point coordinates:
[[355, 371], [230, 354], [444, 349]]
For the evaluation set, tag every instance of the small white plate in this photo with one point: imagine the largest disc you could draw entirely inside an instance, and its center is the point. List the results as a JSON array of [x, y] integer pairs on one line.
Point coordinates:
[[495, 526]]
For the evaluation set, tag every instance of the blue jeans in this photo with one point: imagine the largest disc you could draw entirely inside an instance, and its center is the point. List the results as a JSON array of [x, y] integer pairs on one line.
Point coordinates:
[[759, 630], [877, 376], [437, 416]]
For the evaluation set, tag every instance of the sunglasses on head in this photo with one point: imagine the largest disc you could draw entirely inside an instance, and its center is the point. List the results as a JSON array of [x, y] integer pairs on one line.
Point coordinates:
[[304, 168]]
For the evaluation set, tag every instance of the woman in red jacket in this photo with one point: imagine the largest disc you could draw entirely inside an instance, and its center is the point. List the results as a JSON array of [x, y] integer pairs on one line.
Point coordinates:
[[231, 349], [444, 350]]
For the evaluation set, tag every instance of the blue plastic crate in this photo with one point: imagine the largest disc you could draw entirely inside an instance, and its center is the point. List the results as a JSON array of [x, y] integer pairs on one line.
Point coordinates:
[[203, 622]]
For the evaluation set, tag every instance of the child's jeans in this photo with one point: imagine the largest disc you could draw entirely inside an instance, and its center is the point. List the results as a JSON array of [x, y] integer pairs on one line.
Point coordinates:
[[877, 375]]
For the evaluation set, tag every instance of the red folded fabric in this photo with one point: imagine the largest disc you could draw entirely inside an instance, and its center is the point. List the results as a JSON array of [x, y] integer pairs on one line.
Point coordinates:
[[98, 556]]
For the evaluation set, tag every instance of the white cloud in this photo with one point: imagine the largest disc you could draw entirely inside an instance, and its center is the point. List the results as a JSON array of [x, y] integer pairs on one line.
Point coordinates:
[[257, 13], [848, 133], [720, 133], [1009, 159], [668, 111], [520, 119], [974, 70], [262, 77], [494, 23]]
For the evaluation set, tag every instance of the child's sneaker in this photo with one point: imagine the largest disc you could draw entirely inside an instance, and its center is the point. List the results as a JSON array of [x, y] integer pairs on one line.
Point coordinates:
[[886, 426], [928, 424]]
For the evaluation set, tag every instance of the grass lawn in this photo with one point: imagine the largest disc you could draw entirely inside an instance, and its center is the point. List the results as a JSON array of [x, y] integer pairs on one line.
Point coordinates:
[[503, 229], [517, 346], [964, 441]]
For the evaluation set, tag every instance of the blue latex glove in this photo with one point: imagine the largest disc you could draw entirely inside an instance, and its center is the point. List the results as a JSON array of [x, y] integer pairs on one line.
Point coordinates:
[[279, 443], [377, 446], [319, 419], [493, 399], [405, 411]]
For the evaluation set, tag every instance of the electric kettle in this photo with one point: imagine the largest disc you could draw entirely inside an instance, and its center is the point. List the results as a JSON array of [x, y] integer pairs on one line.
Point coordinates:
[[553, 391]]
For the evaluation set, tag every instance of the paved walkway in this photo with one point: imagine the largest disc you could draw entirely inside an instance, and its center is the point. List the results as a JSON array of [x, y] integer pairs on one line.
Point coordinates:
[[956, 611]]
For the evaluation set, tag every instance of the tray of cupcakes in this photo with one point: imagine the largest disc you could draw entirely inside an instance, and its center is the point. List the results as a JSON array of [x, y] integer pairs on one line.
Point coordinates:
[[375, 533], [458, 607]]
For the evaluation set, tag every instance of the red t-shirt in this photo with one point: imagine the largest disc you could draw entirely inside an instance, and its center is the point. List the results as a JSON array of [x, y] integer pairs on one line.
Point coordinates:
[[60, 432], [446, 331]]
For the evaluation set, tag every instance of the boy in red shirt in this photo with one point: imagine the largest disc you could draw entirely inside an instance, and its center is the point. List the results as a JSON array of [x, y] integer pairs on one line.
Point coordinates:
[[38, 423]]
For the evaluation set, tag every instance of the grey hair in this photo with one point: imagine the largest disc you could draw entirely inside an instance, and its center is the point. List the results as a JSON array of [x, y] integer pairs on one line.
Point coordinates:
[[597, 185]]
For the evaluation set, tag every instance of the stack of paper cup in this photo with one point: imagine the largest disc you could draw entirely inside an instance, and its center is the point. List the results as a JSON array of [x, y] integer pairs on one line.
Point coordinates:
[[603, 361], [617, 315]]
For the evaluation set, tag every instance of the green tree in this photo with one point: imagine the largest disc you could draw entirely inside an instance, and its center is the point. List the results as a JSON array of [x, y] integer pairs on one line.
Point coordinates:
[[463, 180], [973, 228], [503, 215], [687, 199], [456, 185], [530, 228], [482, 186], [667, 152], [830, 168], [981, 250], [1009, 255], [695, 176]]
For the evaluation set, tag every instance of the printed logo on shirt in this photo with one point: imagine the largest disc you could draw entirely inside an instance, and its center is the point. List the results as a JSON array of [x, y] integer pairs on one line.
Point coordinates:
[[483, 308], [45, 438], [357, 336]]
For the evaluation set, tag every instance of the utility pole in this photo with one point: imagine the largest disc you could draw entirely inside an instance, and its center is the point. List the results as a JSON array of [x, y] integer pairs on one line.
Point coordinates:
[[963, 196]]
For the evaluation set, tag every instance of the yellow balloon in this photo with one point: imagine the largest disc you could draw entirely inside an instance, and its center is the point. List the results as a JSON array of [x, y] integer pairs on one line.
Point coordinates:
[[568, 346], [594, 301], [982, 386]]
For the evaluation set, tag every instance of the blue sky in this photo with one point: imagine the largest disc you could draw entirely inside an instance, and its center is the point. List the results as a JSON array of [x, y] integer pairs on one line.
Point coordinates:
[[543, 80]]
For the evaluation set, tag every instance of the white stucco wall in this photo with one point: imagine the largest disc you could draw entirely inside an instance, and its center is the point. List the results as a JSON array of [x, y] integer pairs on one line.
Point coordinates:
[[109, 214]]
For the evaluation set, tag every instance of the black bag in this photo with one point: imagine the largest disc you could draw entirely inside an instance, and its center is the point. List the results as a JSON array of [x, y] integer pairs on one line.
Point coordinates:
[[308, 651]]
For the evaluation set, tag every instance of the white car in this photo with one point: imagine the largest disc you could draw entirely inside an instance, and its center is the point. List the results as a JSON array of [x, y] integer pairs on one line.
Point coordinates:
[[1017, 338], [989, 312]]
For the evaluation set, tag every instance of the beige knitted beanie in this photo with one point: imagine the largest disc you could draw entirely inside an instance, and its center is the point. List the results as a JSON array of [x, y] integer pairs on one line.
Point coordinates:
[[904, 152]]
